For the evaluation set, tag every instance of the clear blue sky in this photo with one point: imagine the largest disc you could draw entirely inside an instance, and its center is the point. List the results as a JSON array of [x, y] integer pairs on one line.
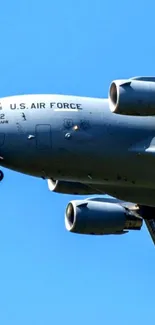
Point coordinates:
[[49, 276]]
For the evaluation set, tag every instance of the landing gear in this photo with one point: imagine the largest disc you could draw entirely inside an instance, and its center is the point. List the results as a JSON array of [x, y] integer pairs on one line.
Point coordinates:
[[1, 175]]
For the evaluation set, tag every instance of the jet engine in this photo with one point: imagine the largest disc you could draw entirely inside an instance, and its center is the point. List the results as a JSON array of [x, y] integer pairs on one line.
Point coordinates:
[[69, 187], [100, 218], [135, 96]]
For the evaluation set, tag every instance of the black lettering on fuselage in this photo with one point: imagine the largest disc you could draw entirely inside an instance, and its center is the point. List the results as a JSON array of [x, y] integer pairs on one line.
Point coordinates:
[[38, 105], [13, 106], [4, 122], [42, 105], [52, 104], [66, 105], [60, 105], [73, 106], [22, 105], [78, 106], [34, 105]]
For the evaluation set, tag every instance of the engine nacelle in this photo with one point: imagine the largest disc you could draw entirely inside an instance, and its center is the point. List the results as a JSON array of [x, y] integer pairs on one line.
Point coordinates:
[[74, 188], [135, 96], [100, 218]]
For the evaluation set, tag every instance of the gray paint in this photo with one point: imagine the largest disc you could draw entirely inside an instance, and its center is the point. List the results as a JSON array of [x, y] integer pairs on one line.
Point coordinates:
[[92, 145]]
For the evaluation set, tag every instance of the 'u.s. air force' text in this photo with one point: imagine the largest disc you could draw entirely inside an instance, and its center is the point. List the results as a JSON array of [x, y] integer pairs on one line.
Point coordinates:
[[60, 105]]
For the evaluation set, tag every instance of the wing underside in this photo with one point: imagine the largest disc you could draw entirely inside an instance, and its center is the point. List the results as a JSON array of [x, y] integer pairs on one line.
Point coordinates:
[[146, 212], [151, 228]]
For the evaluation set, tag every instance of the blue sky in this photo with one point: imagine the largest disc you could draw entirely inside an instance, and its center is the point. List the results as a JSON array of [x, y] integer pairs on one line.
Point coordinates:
[[47, 275]]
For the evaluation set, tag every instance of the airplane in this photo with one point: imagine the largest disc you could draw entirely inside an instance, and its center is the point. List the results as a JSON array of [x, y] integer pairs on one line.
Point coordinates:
[[88, 146]]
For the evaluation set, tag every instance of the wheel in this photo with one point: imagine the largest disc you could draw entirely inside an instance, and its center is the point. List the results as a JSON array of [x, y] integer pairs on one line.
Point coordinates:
[[1, 175]]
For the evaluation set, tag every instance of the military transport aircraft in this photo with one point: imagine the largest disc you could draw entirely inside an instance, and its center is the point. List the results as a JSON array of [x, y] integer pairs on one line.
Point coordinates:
[[88, 146]]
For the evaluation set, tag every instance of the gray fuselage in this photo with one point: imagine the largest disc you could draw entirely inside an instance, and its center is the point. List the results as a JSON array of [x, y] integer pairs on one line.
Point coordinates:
[[77, 139]]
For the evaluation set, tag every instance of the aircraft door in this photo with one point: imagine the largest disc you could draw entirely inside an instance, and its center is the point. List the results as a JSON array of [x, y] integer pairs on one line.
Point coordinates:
[[43, 137]]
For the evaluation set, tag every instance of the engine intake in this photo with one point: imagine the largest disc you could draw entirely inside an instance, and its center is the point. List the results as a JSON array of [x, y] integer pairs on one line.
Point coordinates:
[[135, 96], [100, 218]]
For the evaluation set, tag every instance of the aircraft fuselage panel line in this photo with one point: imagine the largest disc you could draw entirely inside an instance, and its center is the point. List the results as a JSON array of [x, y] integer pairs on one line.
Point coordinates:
[[88, 146]]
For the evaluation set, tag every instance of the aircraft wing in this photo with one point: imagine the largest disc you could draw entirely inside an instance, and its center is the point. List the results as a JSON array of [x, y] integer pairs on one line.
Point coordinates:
[[111, 199], [141, 211], [151, 228]]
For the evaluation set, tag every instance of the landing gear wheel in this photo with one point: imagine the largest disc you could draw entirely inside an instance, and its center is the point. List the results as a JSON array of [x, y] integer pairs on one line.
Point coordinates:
[[1, 175]]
